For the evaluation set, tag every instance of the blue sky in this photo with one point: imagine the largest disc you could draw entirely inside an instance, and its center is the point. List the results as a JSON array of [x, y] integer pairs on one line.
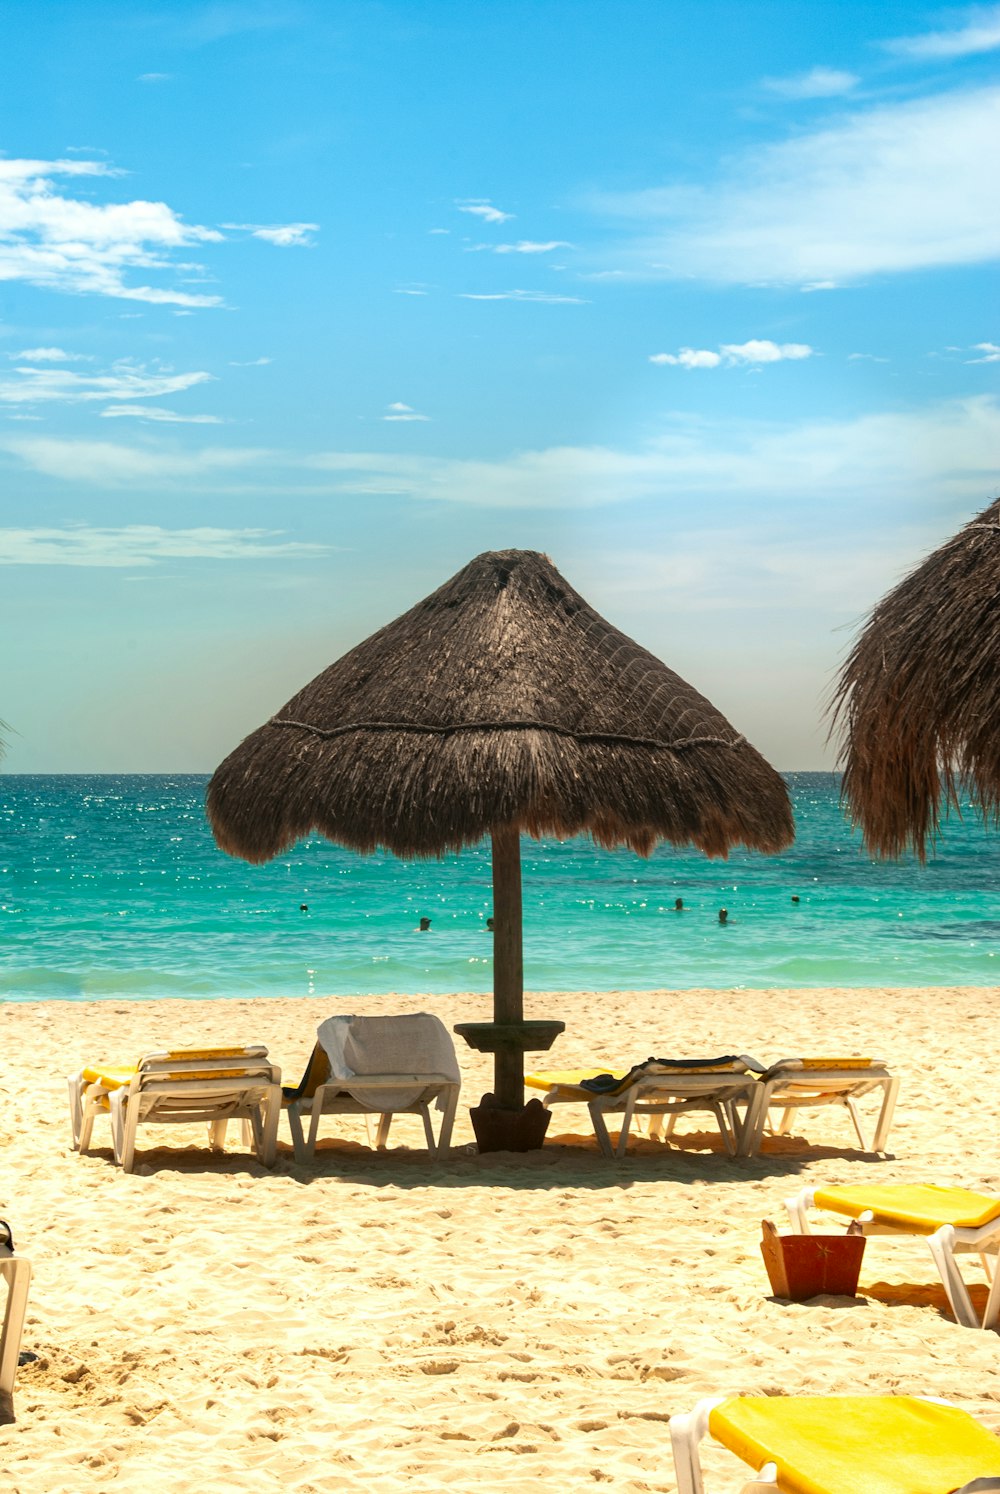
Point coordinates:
[[302, 305]]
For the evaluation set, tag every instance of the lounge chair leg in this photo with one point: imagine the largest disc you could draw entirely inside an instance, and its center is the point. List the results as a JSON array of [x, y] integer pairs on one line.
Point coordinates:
[[425, 1115], [600, 1129], [447, 1120], [852, 1107], [267, 1125], [295, 1126], [942, 1248], [75, 1082], [124, 1122], [17, 1271], [217, 1135], [722, 1121], [382, 1134], [890, 1091], [992, 1312], [798, 1206]]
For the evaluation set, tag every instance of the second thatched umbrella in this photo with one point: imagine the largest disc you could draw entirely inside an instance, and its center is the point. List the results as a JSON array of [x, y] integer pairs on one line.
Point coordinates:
[[918, 700], [500, 704]]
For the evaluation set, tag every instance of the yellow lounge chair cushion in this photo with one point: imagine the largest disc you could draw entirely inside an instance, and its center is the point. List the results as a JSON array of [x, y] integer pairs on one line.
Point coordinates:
[[857, 1444], [836, 1063], [567, 1078], [111, 1075], [921, 1209]]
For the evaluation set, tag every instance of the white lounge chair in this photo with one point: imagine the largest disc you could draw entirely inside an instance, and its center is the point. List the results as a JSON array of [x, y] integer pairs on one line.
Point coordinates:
[[186, 1085], [794, 1084], [16, 1271], [803, 1444], [661, 1089], [952, 1220], [384, 1066]]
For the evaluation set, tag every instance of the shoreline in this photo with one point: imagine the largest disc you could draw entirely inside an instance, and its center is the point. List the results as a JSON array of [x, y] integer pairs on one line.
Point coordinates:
[[374, 1322]]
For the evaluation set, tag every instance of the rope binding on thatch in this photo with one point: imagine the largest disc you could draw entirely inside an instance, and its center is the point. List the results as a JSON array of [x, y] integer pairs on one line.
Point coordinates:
[[606, 739]]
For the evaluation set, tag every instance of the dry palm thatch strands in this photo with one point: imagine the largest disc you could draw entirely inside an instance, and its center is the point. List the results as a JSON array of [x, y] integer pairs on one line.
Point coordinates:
[[502, 699], [502, 703], [918, 701]]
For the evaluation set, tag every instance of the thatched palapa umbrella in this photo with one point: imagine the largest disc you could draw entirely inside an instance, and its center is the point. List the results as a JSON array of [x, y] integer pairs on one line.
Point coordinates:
[[918, 701], [501, 703]]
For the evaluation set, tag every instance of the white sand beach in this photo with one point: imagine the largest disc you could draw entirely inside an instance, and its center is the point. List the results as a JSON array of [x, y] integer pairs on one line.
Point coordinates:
[[382, 1322]]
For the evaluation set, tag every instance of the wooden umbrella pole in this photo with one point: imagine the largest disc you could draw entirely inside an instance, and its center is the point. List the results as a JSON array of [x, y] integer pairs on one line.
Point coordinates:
[[508, 965]]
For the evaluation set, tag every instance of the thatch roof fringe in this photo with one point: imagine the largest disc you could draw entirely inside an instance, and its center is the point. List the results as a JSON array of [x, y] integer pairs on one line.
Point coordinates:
[[917, 703]]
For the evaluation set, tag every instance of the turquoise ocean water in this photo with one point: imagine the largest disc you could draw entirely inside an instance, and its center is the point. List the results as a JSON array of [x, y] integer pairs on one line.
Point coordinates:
[[112, 887]]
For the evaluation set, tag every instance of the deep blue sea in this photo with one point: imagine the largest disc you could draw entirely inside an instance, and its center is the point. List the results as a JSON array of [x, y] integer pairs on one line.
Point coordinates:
[[112, 887]]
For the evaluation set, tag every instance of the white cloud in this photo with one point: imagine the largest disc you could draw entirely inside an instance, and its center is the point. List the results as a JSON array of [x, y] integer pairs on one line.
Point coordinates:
[[689, 358], [902, 187], [865, 357], [938, 454], [485, 210], [981, 33], [944, 450], [753, 353], [157, 413], [108, 463], [400, 411], [29, 385], [818, 83], [49, 355], [522, 295], [285, 235], [989, 350], [527, 246], [250, 363], [144, 545], [154, 77], [67, 243]]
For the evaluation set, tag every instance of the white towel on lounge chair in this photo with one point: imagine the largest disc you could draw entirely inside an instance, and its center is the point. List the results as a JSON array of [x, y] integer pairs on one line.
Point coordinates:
[[414, 1044]]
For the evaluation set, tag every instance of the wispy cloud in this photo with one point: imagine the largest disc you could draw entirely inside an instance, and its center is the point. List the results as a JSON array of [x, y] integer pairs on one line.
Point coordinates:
[[66, 243], [400, 411], [285, 235], [154, 77], [980, 33], [901, 187], [145, 545], [484, 209], [944, 450], [49, 355], [522, 295], [523, 246], [29, 385], [989, 350], [250, 363], [865, 358], [730, 354], [158, 414], [818, 83], [110, 463]]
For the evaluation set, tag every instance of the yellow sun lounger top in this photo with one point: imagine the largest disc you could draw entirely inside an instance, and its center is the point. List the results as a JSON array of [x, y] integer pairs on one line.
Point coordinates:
[[857, 1444], [118, 1075], [921, 1209]]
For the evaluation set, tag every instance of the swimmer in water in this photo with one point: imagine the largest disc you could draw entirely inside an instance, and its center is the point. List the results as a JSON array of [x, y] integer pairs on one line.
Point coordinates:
[[679, 905], [423, 926], [723, 915], [489, 925], [303, 907], [795, 897]]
